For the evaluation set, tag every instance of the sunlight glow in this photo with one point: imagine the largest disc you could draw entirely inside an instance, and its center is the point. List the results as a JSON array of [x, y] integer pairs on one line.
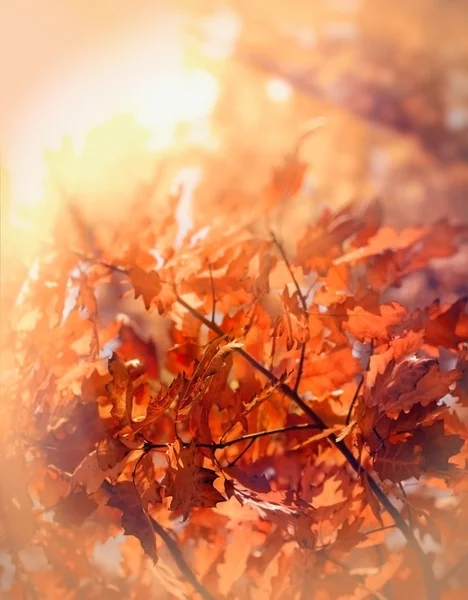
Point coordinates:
[[278, 90], [142, 76]]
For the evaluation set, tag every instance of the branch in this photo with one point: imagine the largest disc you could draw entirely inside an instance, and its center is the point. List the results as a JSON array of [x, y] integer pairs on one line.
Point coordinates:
[[244, 438], [179, 560], [353, 401], [432, 586], [431, 582]]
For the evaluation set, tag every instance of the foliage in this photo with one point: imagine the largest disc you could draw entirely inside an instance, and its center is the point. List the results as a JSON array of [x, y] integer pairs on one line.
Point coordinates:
[[268, 421]]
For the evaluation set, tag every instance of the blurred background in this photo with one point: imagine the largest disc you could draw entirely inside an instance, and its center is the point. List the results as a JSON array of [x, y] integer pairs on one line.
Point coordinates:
[[99, 99]]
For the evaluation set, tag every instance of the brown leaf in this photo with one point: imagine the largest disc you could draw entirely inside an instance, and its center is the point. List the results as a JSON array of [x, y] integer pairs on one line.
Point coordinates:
[[211, 363], [160, 403], [449, 328], [120, 390], [187, 481], [399, 461], [426, 451], [135, 521], [146, 483], [75, 508], [410, 382]]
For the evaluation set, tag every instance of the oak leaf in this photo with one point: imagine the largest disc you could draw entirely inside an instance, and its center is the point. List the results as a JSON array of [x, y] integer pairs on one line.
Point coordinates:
[[146, 284], [187, 481], [369, 327], [211, 363]]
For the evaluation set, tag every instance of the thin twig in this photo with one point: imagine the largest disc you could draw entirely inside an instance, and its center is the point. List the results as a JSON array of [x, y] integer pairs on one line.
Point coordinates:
[[244, 438], [353, 401], [431, 582], [303, 304], [176, 554], [239, 456], [213, 308], [378, 529], [408, 507]]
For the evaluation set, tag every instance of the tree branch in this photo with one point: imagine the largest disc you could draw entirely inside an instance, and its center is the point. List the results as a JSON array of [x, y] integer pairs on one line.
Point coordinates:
[[176, 554], [247, 437], [431, 582], [432, 586]]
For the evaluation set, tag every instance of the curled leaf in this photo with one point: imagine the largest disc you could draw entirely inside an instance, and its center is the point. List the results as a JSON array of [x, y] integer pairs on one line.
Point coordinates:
[[120, 390]]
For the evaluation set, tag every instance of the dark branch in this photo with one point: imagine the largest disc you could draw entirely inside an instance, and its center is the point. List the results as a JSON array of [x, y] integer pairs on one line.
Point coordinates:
[[176, 554], [247, 437]]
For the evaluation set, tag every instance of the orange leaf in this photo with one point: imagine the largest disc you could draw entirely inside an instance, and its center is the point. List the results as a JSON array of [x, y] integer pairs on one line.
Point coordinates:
[[147, 285]]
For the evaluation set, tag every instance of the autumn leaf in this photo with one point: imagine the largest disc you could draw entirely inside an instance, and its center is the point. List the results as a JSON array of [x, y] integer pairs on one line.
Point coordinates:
[[428, 449], [133, 345], [368, 327], [147, 285], [146, 482], [160, 403], [371, 498], [120, 390], [450, 327], [89, 474], [295, 321], [187, 481], [75, 508], [135, 521], [211, 363], [409, 382], [110, 452]]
